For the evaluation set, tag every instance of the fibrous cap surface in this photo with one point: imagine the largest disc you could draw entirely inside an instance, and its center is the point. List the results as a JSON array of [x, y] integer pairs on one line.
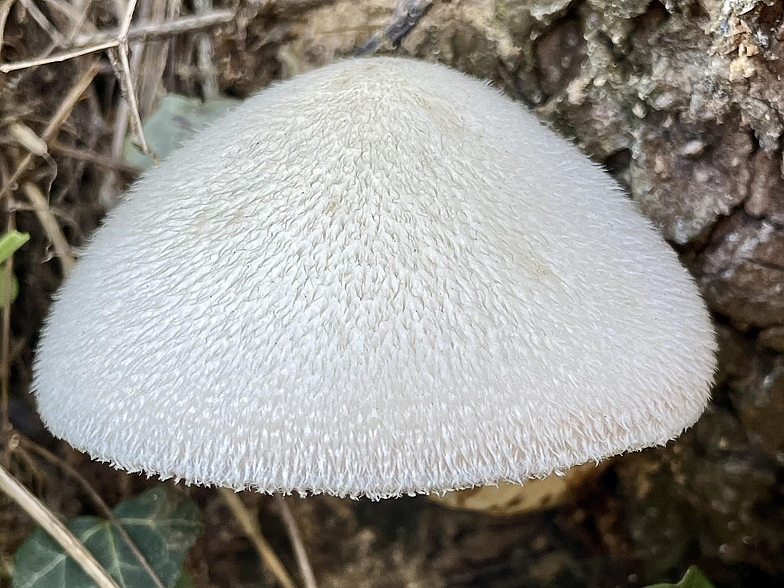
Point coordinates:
[[379, 277]]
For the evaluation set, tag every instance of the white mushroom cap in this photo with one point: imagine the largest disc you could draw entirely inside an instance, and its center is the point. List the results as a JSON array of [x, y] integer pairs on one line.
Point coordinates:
[[380, 277]]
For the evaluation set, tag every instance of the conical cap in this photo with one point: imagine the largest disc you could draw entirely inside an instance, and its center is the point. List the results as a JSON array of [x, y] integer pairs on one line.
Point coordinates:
[[380, 277]]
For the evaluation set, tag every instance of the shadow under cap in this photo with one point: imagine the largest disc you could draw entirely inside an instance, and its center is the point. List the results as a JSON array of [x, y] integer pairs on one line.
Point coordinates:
[[380, 277]]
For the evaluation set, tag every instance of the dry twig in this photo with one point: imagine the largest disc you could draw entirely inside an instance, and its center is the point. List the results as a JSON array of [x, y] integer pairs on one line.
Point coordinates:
[[250, 527], [96, 500], [108, 191], [59, 532], [102, 41], [71, 12], [56, 58], [80, 20], [184, 24], [122, 69], [43, 22], [51, 227], [51, 130], [296, 541], [90, 157]]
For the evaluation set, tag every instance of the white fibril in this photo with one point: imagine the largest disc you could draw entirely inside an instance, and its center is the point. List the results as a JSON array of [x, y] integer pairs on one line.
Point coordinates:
[[380, 277]]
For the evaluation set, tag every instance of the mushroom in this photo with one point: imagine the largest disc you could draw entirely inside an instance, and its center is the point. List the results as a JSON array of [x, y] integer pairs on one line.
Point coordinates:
[[380, 277]]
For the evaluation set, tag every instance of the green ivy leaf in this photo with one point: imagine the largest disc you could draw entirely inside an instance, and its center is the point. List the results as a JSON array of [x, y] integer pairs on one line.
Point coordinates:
[[14, 286], [694, 578], [163, 524], [10, 242]]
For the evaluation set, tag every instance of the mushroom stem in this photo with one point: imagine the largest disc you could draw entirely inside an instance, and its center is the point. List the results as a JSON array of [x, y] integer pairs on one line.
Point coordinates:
[[296, 541], [59, 532]]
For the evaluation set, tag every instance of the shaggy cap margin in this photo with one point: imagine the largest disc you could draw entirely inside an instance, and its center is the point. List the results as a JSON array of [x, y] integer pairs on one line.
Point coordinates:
[[378, 278]]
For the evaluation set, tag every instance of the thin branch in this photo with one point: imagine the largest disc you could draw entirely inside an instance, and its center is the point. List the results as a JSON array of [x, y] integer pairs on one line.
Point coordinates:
[[119, 60], [59, 532], [82, 18], [51, 227], [37, 476], [250, 527], [296, 541], [51, 130], [96, 500], [43, 22], [56, 58], [125, 77], [125, 26], [108, 192], [123, 111], [90, 157], [108, 40], [67, 39], [66, 9], [164, 29]]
